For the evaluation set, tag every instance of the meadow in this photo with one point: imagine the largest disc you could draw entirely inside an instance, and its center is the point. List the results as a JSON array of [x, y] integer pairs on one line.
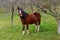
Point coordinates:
[[48, 29]]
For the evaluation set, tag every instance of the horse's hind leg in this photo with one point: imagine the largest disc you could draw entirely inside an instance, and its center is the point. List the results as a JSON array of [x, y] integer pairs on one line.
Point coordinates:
[[37, 27]]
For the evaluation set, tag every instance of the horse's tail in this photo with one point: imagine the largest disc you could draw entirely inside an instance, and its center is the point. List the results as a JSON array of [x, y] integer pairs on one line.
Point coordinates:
[[37, 14]]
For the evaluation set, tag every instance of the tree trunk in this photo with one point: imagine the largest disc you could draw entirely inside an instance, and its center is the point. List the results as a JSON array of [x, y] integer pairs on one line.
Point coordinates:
[[31, 8], [12, 15], [59, 27]]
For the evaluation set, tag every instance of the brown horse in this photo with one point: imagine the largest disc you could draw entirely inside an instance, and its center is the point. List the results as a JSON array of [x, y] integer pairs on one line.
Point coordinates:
[[27, 19]]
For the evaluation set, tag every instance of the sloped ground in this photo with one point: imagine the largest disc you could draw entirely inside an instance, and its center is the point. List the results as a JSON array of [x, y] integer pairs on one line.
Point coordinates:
[[48, 30]]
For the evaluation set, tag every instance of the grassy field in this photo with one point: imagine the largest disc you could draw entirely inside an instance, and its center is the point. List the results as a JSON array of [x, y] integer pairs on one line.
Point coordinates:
[[48, 29]]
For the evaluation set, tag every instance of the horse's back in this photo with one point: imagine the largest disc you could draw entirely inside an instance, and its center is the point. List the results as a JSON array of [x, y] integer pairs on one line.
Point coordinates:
[[37, 14], [32, 18]]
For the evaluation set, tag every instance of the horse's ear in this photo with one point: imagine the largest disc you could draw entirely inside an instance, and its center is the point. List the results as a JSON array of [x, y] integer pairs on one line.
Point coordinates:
[[21, 8], [18, 8]]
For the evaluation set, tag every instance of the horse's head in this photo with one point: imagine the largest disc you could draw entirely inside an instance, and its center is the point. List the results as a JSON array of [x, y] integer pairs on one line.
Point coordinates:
[[19, 11]]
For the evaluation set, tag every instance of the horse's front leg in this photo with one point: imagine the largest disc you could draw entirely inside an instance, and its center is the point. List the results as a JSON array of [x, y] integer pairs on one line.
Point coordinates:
[[23, 30], [27, 29]]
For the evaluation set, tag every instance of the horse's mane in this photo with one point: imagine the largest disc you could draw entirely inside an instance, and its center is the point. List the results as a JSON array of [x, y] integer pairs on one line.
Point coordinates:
[[24, 14]]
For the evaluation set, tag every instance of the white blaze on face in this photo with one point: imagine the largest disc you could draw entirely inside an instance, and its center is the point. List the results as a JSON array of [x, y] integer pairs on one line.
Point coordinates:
[[20, 13]]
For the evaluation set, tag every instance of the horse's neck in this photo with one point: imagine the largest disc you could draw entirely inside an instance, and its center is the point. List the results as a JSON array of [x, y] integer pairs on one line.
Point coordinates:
[[24, 13]]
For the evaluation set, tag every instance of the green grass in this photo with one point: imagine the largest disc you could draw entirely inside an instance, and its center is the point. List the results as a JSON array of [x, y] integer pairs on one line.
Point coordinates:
[[48, 29]]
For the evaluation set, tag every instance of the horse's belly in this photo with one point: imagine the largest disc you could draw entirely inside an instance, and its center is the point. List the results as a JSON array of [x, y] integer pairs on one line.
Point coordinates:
[[31, 22]]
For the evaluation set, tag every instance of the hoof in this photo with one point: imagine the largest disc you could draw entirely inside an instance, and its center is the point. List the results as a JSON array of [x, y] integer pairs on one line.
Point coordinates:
[[27, 32], [38, 30], [23, 32]]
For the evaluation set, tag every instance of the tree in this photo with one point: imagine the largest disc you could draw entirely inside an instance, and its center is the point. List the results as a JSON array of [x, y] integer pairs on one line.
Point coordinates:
[[12, 4], [52, 6]]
